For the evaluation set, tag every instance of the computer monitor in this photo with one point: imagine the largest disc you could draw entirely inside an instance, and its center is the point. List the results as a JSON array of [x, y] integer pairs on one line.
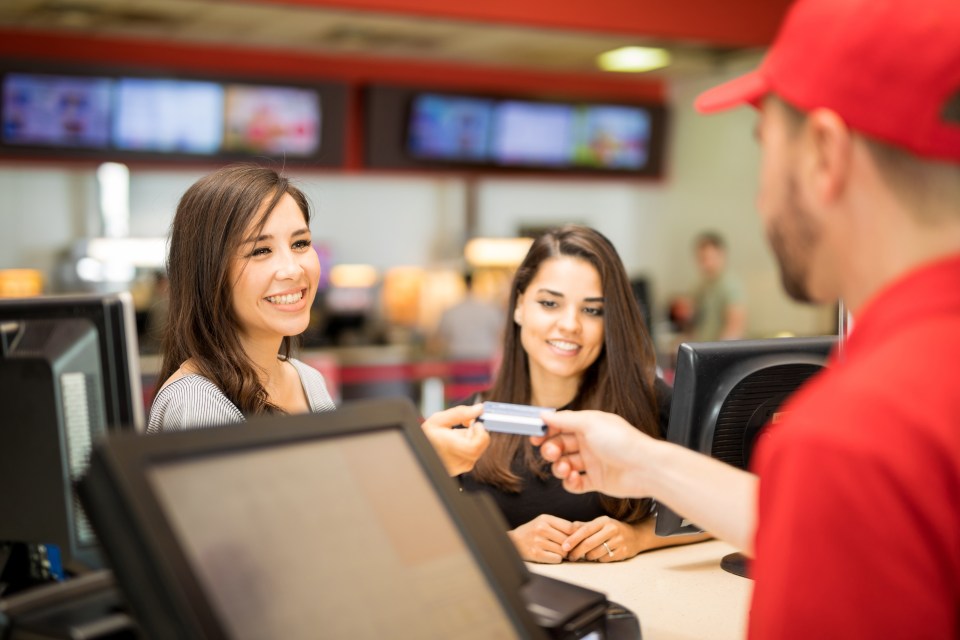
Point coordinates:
[[342, 524], [725, 392], [51, 392], [113, 317]]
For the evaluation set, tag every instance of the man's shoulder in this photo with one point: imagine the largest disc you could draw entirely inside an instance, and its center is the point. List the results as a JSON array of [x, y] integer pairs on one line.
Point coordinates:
[[732, 286]]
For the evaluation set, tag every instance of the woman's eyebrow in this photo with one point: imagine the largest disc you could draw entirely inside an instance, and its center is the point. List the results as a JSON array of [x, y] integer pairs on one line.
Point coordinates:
[[266, 236], [560, 295], [551, 292]]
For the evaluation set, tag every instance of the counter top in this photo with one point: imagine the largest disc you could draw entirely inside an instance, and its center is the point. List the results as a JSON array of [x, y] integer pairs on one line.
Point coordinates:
[[679, 593]]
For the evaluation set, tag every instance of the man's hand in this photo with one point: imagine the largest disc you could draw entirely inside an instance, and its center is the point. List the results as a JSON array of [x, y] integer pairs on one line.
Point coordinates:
[[459, 449], [595, 451]]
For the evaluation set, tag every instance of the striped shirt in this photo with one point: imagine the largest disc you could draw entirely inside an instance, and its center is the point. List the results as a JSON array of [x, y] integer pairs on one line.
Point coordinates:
[[194, 402]]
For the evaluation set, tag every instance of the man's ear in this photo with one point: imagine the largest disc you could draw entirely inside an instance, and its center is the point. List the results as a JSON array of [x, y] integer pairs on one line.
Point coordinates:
[[830, 143]]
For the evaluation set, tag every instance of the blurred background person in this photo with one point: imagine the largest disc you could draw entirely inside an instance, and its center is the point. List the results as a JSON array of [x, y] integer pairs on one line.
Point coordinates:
[[470, 329], [718, 304]]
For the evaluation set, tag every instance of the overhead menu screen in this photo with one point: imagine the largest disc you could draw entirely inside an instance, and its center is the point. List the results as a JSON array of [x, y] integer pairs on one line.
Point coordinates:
[[509, 134], [56, 111], [449, 128], [612, 137], [532, 133], [182, 116], [272, 120], [119, 117]]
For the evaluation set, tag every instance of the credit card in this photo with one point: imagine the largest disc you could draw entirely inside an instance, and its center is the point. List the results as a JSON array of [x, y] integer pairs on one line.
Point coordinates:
[[519, 419]]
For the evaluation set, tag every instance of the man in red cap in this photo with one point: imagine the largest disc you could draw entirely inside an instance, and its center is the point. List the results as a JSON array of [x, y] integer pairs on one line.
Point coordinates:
[[852, 514]]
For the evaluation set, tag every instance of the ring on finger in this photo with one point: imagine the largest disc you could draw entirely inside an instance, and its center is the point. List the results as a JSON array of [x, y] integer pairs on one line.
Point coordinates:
[[609, 550]]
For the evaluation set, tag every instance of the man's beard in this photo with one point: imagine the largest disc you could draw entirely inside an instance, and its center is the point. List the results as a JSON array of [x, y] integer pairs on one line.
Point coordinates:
[[793, 235]]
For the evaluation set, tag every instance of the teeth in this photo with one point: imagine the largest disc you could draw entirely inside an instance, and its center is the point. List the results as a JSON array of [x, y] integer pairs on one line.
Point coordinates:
[[289, 298], [566, 346]]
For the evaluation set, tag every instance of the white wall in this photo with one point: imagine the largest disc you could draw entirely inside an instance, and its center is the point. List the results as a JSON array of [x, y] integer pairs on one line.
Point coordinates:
[[714, 170], [383, 221], [42, 209], [628, 212], [388, 220]]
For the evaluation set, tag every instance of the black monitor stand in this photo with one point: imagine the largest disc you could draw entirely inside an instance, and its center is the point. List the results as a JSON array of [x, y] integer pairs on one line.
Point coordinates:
[[737, 564]]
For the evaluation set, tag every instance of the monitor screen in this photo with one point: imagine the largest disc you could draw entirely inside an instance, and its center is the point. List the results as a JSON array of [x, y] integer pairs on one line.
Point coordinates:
[[113, 317], [532, 134], [611, 137], [453, 128], [56, 111], [279, 121], [51, 392], [342, 524], [355, 498], [179, 116], [724, 393]]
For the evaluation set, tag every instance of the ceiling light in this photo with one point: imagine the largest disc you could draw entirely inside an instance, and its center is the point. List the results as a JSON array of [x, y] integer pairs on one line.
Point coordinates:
[[633, 59]]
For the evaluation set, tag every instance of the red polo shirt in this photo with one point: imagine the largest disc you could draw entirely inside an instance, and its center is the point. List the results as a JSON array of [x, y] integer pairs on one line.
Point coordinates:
[[858, 531]]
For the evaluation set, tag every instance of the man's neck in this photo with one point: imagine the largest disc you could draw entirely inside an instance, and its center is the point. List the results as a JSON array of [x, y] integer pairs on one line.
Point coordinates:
[[894, 250]]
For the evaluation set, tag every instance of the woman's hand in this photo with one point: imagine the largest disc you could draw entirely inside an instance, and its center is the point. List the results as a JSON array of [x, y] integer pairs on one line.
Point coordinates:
[[603, 540], [541, 539], [624, 540], [458, 448]]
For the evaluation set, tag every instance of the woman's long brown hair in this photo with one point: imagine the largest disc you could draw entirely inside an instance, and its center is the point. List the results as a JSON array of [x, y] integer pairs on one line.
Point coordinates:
[[620, 381], [207, 231]]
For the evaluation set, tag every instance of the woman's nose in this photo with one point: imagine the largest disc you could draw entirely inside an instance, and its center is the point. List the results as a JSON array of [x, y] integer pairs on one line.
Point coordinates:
[[569, 320], [289, 266]]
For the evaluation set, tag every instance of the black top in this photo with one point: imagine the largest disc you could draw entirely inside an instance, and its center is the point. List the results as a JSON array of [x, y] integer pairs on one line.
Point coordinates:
[[548, 496]]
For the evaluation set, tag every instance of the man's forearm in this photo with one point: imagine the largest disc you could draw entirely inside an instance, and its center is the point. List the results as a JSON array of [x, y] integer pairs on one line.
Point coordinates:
[[718, 497]]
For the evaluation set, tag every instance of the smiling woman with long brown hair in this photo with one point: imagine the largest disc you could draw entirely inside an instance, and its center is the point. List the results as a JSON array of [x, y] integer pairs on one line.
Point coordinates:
[[575, 339], [242, 276]]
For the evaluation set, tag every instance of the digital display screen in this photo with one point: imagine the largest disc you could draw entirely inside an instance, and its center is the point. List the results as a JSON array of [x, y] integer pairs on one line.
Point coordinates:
[[527, 134], [533, 133], [179, 116], [297, 541], [612, 137], [282, 121], [56, 111], [449, 128]]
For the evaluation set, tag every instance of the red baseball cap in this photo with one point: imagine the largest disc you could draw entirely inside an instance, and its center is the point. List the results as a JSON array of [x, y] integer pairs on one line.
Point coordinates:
[[889, 68]]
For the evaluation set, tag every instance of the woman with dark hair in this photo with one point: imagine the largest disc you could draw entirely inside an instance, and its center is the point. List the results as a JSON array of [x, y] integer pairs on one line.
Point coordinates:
[[242, 276], [575, 339]]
